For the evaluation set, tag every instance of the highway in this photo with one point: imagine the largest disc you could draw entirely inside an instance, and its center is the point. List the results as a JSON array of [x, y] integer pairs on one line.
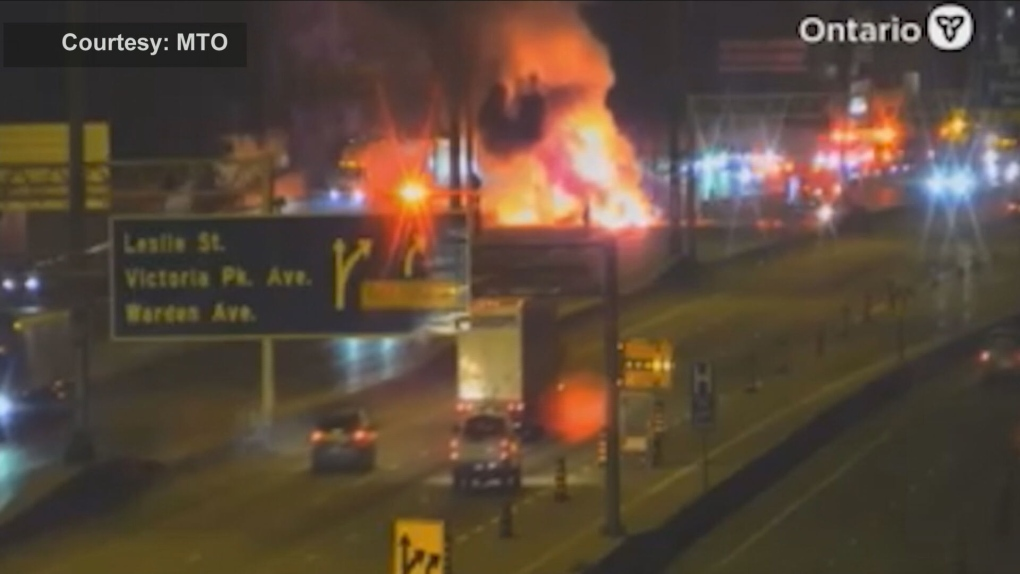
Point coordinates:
[[267, 515], [931, 484], [141, 389]]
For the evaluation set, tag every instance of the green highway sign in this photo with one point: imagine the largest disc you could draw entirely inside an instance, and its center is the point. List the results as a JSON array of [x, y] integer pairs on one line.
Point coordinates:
[[237, 277]]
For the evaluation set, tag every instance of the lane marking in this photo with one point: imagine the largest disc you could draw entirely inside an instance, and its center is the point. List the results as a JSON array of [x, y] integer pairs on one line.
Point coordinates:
[[688, 469], [796, 505], [679, 474]]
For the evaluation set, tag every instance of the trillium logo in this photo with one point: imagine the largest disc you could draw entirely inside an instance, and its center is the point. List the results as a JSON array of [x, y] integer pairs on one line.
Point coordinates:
[[950, 27]]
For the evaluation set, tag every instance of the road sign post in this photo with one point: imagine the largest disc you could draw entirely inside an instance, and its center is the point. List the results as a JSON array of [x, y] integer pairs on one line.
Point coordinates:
[[267, 355], [81, 448], [703, 406], [420, 547], [613, 520]]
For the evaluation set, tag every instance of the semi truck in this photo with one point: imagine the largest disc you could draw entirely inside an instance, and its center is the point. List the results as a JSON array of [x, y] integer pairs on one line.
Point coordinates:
[[36, 366], [507, 357]]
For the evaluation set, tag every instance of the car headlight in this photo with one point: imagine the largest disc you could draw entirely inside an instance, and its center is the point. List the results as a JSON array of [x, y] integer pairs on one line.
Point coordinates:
[[9, 284], [32, 283]]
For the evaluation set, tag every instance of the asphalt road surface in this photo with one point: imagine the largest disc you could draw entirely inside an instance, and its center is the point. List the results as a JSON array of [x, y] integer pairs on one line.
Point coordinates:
[[266, 514], [932, 484], [141, 391]]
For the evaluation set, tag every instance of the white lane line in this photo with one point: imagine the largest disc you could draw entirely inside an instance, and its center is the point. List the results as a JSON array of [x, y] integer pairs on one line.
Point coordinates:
[[794, 506], [867, 372]]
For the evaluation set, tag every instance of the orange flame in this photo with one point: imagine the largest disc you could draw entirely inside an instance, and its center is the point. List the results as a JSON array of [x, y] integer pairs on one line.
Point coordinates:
[[583, 167]]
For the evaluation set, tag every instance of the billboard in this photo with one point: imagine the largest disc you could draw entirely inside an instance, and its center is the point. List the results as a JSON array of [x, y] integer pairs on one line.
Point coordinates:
[[34, 166], [243, 277]]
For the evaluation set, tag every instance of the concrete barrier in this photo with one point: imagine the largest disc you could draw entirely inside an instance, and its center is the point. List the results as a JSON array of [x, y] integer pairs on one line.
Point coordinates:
[[651, 552]]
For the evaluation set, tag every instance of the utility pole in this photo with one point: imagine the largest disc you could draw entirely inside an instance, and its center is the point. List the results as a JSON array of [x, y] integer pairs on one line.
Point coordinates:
[[675, 109], [984, 24], [80, 448], [690, 139], [455, 102]]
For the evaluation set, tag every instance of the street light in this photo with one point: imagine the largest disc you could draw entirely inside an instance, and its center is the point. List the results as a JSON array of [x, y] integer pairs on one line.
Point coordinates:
[[412, 193]]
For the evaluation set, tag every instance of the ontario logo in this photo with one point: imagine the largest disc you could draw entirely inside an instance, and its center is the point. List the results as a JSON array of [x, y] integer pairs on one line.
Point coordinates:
[[949, 27]]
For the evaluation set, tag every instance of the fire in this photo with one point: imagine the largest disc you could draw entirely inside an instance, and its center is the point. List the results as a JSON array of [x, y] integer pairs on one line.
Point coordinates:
[[581, 166]]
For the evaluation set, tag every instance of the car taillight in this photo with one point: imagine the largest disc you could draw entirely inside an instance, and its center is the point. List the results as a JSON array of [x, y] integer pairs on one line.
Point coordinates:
[[515, 407], [318, 436], [984, 356], [454, 449], [361, 436]]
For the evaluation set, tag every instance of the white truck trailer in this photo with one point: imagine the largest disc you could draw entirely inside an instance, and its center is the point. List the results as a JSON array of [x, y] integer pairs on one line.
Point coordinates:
[[507, 359]]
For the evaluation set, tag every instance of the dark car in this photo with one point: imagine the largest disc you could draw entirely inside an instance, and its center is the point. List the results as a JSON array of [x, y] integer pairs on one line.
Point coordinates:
[[343, 440], [999, 357]]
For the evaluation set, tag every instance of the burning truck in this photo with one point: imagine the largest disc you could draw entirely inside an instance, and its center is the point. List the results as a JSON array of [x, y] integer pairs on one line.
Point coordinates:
[[549, 155]]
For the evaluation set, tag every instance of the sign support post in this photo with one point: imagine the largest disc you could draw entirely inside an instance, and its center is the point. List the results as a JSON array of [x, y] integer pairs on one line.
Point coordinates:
[[267, 356], [702, 414], [81, 448], [704, 460], [614, 521]]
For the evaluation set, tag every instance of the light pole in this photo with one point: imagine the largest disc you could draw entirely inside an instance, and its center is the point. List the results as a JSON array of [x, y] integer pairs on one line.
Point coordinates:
[[80, 448]]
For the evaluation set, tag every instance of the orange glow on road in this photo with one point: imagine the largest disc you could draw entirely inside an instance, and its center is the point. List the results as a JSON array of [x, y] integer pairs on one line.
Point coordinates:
[[575, 411]]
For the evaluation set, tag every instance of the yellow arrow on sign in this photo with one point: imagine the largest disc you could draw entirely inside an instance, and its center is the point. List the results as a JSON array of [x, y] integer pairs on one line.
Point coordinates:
[[417, 248], [343, 263], [419, 546]]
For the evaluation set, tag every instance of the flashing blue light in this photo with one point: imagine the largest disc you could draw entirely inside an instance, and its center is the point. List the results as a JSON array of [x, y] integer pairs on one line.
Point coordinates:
[[937, 184], [6, 407], [961, 183], [744, 176], [1012, 172], [958, 182], [712, 163], [992, 172]]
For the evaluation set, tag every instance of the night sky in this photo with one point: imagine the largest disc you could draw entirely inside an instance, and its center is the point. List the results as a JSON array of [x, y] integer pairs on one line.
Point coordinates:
[[178, 111]]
